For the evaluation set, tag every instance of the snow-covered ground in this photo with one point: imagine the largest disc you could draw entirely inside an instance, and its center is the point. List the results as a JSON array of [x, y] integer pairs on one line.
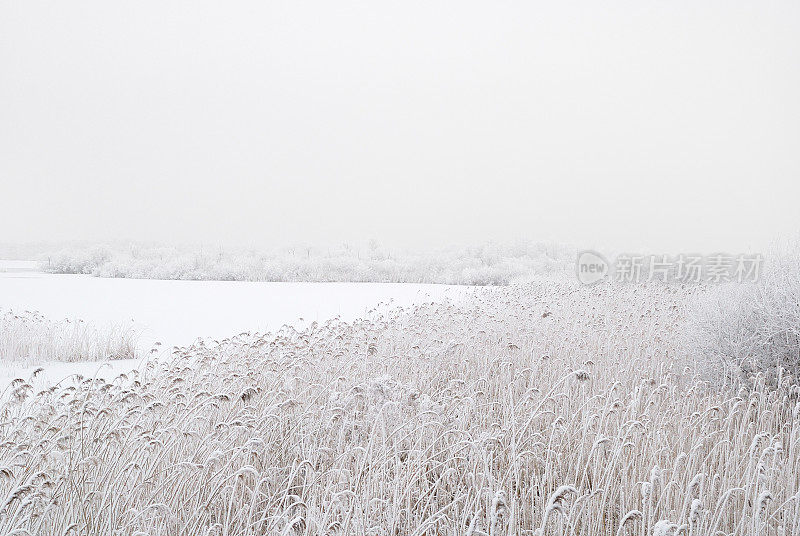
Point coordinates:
[[18, 266], [175, 313]]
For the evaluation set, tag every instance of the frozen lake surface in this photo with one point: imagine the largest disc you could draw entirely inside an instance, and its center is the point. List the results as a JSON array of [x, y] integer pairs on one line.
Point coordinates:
[[176, 313]]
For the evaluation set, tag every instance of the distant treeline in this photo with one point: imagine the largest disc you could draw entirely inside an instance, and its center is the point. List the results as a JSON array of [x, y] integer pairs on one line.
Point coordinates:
[[487, 264]]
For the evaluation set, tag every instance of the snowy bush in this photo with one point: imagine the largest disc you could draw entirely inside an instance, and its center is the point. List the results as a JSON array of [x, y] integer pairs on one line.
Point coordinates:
[[748, 329], [489, 264], [77, 260]]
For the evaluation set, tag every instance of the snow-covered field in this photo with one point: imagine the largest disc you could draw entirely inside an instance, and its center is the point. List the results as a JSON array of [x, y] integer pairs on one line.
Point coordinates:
[[17, 266], [541, 409], [175, 313], [388, 409]]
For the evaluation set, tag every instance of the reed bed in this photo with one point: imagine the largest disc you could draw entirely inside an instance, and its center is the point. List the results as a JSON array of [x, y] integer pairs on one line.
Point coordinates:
[[30, 338], [539, 409]]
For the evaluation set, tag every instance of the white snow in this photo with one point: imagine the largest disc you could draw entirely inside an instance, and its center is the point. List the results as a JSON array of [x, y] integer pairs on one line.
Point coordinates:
[[18, 266], [175, 313]]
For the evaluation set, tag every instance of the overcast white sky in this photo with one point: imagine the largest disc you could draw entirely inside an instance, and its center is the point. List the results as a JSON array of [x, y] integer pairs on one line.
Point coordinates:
[[646, 126]]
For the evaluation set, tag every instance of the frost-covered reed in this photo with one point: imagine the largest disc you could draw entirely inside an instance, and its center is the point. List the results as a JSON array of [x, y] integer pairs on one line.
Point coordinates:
[[482, 417], [31, 338]]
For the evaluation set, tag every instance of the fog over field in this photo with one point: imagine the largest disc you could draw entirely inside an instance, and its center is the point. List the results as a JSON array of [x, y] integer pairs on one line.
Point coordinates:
[[399, 269], [644, 126]]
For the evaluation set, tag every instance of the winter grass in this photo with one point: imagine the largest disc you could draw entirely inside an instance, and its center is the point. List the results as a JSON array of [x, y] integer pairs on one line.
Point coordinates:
[[489, 264], [542, 409], [29, 338]]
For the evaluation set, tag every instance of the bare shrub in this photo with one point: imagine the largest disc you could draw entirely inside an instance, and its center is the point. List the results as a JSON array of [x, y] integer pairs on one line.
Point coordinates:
[[743, 330]]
